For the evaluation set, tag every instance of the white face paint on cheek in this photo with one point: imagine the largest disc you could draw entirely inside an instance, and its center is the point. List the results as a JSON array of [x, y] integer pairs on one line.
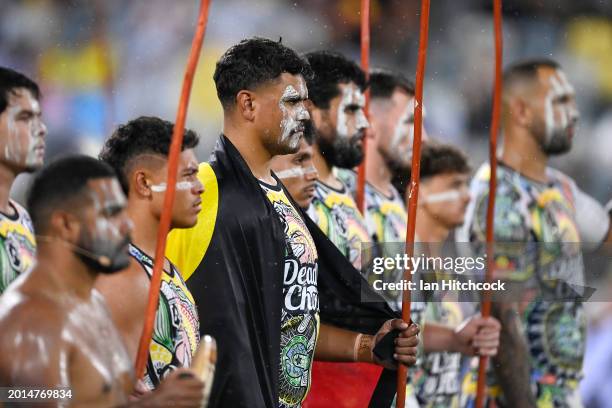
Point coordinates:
[[443, 196], [289, 121], [362, 121], [295, 172], [292, 115], [24, 149], [11, 149], [34, 147], [107, 235], [180, 186], [342, 120], [558, 117], [403, 129]]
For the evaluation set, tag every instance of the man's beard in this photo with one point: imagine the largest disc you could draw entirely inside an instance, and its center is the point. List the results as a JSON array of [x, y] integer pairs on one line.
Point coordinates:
[[394, 163], [108, 260], [342, 152], [558, 143]]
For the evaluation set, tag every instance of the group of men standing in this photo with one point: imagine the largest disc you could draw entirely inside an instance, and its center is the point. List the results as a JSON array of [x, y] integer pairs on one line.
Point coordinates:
[[267, 248]]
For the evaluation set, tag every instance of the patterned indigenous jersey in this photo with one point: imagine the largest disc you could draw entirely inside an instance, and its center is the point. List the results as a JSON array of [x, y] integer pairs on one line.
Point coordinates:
[[437, 381], [386, 219], [17, 245], [386, 215], [176, 332], [336, 213], [300, 312], [542, 217]]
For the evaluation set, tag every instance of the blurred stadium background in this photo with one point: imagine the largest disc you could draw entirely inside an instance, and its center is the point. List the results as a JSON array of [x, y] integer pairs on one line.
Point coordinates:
[[103, 62]]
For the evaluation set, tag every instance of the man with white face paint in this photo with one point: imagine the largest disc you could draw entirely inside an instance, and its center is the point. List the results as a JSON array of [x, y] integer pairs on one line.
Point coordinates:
[[339, 120], [337, 111], [22, 149], [443, 198], [442, 205], [138, 152], [57, 332], [269, 286], [389, 153], [297, 172], [542, 343]]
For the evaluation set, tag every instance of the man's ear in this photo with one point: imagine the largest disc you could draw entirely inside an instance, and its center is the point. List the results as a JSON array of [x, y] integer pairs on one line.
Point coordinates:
[[245, 104], [141, 183], [65, 225], [519, 111]]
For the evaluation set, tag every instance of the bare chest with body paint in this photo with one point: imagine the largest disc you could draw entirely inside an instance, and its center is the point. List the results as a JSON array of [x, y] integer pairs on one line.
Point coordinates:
[[99, 370]]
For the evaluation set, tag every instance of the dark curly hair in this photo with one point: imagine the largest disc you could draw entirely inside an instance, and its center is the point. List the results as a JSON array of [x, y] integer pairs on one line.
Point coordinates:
[[10, 80], [253, 62], [331, 69], [383, 83], [144, 135]]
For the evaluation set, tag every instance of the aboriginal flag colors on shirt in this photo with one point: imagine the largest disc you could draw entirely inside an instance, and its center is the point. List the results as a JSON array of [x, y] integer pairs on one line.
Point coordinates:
[[234, 261]]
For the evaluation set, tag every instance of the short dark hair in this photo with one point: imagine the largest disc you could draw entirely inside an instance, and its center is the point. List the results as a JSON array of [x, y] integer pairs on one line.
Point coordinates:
[[384, 82], [59, 182], [526, 70], [144, 135], [10, 80], [331, 69], [253, 62], [436, 159]]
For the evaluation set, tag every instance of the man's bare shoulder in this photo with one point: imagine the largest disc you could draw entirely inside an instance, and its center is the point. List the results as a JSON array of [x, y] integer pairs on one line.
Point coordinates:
[[31, 312]]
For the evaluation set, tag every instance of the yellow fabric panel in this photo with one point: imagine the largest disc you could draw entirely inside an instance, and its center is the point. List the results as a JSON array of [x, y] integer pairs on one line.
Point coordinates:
[[186, 247]]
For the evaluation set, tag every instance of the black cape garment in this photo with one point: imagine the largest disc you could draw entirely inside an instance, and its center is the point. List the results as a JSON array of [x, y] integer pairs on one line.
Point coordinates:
[[233, 260]]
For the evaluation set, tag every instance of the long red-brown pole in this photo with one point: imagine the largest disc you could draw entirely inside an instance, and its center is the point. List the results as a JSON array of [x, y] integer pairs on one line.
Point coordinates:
[[413, 188], [173, 156], [365, 66], [497, 94]]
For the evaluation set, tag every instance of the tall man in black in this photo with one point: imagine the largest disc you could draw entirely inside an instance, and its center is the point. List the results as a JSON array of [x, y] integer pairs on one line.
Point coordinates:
[[270, 287]]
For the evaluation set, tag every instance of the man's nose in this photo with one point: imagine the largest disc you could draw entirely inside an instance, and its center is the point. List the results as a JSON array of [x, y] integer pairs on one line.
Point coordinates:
[[303, 114], [198, 187]]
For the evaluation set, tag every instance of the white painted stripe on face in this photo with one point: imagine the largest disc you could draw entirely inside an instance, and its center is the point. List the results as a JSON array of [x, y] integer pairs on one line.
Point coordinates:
[[443, 196], [180, 186]]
